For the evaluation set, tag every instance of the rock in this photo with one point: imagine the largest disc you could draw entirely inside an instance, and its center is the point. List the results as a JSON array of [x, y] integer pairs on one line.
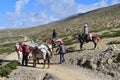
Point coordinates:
[[93, 66], [111, 74], [47, 77], [87, 64], [109, 61], [79, 62], [83, 61]]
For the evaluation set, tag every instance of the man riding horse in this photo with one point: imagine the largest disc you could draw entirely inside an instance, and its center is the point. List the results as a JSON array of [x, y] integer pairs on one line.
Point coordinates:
[[54, 35], [85, 37], [85, 33]]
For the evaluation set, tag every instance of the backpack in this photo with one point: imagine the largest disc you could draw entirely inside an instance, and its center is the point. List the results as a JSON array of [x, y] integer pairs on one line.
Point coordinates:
[[27, 50]]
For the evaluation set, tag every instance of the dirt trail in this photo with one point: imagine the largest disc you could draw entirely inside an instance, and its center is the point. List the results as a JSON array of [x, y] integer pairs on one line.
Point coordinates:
[[61, 72], [66, 72]]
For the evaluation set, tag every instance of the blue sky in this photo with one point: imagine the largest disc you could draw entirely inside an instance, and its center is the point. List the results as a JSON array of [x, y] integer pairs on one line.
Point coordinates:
[[30, 13]]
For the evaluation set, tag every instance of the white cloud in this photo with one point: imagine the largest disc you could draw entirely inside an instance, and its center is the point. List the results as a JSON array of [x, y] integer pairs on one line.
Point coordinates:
[[115, 1], [54, 10], [20, 4], [85, 8]]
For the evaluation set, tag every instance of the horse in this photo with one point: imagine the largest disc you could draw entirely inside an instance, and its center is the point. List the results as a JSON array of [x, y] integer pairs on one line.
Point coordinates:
[[90, 38], [17, 51], [42, 51], [49, 41]]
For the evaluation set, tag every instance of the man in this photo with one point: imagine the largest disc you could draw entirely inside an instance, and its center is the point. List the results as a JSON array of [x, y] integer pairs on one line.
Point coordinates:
[[54, 35], [62, 51], [85, 33], [25, 52]]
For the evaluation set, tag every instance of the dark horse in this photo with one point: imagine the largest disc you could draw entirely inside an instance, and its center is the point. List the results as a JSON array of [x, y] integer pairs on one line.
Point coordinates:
[[90, 37]]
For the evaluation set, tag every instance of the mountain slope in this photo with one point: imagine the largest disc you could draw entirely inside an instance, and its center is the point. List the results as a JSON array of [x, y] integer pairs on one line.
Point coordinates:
[[99, 19]]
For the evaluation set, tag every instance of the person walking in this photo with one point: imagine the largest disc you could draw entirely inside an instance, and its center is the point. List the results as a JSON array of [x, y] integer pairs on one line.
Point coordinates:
[[62, 51], [25, 52]]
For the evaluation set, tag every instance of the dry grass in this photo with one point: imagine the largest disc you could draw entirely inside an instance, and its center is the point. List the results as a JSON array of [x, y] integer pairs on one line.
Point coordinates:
[[97, 20]]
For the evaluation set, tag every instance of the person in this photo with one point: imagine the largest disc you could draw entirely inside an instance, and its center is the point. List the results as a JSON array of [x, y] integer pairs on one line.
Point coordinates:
[[62, 51], [85, 33], [54, 35], [25, 53]]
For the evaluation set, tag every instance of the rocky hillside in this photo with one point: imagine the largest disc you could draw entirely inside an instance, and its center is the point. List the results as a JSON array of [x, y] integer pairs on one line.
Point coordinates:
[[107, 62]]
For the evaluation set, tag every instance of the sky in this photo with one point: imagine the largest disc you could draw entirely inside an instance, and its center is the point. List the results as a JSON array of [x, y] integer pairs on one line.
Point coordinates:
[[30, 13]]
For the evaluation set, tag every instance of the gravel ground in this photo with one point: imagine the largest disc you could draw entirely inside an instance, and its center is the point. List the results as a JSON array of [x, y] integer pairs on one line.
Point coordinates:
[[30, 73]]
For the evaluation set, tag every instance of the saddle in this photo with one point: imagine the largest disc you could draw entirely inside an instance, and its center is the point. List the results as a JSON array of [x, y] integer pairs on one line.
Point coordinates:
[[89, 37]]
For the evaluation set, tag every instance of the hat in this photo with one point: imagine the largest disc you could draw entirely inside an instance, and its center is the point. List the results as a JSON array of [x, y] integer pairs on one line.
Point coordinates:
[[85, 25], [59, 40]]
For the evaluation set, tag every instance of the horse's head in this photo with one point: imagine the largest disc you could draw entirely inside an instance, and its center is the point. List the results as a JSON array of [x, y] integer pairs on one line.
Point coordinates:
[[48, 41], [77, 36]]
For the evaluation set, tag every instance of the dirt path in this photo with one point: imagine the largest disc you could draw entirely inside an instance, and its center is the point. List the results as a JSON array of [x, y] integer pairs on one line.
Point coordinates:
[[67, 72], [60, 71]]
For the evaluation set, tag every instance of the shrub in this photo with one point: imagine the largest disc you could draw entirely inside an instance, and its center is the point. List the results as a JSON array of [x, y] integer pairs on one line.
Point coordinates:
[[69, 42], [109, 35], [7, 69], [113, 42], [7, 48], [70, 49], [118, 57]]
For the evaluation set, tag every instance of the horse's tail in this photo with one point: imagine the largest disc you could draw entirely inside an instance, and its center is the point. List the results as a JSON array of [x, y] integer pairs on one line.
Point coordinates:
[[98, 40]]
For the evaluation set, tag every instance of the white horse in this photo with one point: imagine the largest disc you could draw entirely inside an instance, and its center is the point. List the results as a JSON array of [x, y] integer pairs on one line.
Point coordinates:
[[42, 51], [17, 51]]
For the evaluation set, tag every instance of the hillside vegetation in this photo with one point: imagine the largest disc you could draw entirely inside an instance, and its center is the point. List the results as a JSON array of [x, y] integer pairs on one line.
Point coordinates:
[[97, 20]]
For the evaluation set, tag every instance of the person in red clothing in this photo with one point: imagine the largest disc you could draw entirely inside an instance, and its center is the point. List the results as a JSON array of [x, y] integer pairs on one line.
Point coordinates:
[[25, 52]]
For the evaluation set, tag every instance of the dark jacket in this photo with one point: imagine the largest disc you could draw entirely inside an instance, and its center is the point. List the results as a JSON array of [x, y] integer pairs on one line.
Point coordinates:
[[54, 34]]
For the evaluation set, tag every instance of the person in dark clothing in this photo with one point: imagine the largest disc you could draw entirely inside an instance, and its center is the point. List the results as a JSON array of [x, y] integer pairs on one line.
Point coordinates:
[[54, 35], [25, 55]]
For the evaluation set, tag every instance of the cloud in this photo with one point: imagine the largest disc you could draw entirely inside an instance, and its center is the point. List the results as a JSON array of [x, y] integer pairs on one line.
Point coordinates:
[[115, 1], [53, 10], [86, 8], [20, 4]]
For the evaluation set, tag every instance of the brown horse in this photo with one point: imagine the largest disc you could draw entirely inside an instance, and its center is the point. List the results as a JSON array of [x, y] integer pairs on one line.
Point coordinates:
[[49, 41], [90, 37]]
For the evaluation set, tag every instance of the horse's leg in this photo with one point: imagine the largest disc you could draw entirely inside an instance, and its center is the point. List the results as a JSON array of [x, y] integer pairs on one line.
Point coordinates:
[[52, 50], [48, 62], [44, 59], [34, 61], [81, 45], [48, 55], [44, 63], [95, 43]]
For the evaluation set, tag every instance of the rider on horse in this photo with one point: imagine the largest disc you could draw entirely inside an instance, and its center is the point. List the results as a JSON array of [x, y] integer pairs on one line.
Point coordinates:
[[54, 35], [85, 33]]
